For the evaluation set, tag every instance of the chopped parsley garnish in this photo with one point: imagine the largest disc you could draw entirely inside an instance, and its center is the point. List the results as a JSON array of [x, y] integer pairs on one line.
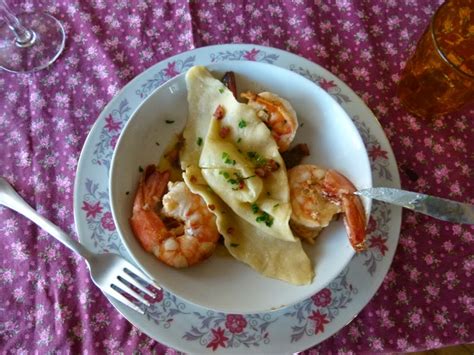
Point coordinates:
[[224, 173], [126, 193], [140, 169], [263, 217], [260, 161], [234, 245], [238, 180], [266, 218], [169, 121], [257, 158], [255, 208], [227, 159], [221, 90], [275, 206], [242, 124], [239, 140], [158, 144], [199, 141]]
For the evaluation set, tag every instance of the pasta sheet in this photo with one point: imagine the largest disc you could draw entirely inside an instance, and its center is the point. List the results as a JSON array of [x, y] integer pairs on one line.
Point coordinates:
[[252, 212]]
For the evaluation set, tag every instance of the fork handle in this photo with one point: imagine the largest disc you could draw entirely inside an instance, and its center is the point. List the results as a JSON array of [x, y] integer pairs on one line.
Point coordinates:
[[10, 198]]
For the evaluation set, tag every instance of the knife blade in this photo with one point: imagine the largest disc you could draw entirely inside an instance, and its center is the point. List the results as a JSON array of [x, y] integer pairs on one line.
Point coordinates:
[[437, 207]]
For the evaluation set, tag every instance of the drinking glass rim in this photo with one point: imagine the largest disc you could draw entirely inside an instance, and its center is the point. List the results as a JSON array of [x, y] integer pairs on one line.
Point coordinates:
[[439, 50]]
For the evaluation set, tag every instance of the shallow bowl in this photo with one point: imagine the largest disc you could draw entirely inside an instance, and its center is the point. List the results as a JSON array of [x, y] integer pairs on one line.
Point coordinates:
[[222, 283]]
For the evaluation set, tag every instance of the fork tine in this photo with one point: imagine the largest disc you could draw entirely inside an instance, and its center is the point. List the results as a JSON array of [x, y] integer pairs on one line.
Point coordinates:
[[137, 284], [134, 270], [127, 289], [119, 297]]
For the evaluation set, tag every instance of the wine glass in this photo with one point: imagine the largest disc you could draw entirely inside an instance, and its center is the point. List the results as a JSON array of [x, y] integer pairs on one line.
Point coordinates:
[[29, 41]]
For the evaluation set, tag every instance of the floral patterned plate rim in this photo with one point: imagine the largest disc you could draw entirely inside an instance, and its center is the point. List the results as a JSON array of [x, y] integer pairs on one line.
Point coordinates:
[[189, 328]]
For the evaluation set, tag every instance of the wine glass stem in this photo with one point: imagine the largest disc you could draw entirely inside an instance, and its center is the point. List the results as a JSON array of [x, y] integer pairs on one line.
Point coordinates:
[[22, 34]]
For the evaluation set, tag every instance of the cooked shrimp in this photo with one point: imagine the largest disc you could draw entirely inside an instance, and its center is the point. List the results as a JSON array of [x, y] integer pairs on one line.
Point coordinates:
[[183, 232], [316, 196], [277, 114]]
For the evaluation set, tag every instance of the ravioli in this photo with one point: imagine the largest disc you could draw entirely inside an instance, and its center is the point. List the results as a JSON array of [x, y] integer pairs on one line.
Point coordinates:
[[219, 159]]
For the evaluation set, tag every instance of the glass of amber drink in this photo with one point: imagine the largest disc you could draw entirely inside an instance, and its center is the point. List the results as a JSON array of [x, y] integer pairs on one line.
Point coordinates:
[[439, 77]]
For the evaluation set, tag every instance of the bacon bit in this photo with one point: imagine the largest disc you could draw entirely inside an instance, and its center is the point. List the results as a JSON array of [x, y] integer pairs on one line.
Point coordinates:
[[269, 167], [230, 230], [272, 165], [261, 172], [224, 131], [241, 185], [211, 207], [219, 113], [193, 178]]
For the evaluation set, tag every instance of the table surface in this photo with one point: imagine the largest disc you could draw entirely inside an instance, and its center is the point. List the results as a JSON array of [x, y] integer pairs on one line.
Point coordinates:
[[47, 301]]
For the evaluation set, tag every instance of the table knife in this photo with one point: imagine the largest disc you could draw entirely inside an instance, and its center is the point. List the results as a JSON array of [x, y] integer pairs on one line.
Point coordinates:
[[436, 207]]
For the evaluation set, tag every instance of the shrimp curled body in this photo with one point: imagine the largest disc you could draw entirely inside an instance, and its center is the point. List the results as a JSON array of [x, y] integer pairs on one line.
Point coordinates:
[[183, 232], [316, 196], [277, 113]]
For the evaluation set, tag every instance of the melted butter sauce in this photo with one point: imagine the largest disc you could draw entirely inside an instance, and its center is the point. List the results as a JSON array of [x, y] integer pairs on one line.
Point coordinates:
[[170, 160]]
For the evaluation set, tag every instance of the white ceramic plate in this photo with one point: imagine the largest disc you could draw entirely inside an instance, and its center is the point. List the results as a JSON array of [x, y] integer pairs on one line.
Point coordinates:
[[192, 329], [334, 142]]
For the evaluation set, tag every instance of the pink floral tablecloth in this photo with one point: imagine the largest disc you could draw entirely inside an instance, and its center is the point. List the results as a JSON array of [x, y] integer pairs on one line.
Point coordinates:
[[47, 301]]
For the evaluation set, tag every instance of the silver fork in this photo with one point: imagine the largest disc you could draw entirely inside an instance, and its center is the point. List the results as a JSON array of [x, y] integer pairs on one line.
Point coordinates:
[[110, 272]]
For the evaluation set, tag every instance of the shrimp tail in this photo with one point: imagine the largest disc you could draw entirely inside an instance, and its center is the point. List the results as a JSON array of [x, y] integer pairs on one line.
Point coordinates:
[[149, 229], [355, 221], [145, 223], [340, 188]]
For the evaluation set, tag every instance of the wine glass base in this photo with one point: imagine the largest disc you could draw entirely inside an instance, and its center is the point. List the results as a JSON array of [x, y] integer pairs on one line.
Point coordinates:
[[46, 43]]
